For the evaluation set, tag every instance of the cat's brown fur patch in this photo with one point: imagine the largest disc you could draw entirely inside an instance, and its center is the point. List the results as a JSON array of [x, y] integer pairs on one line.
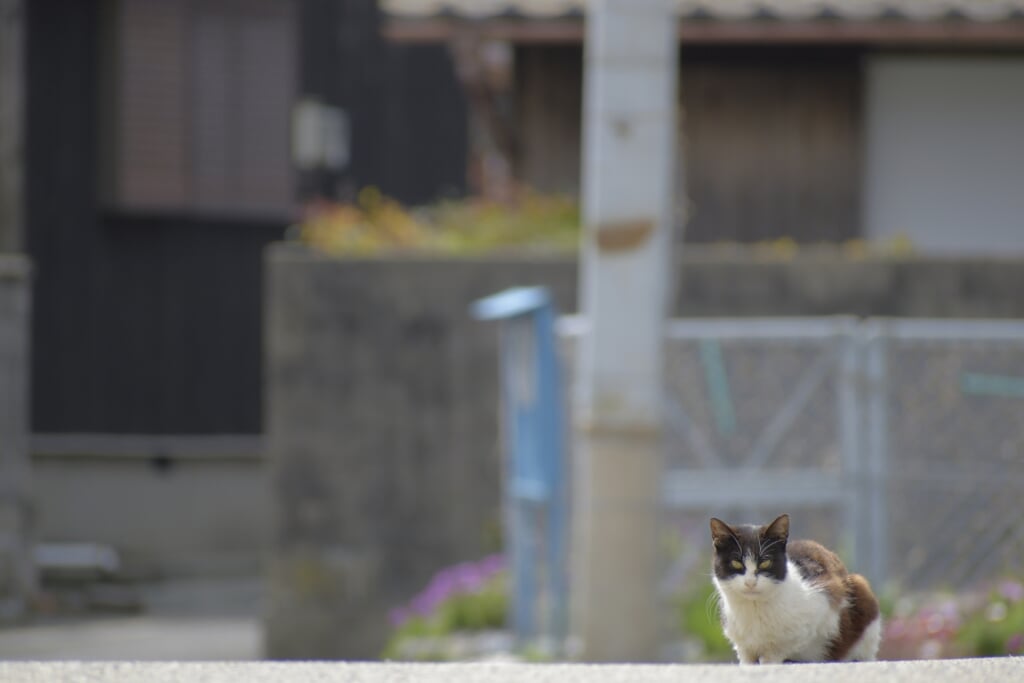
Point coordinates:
[[861, 609], [822, 567]]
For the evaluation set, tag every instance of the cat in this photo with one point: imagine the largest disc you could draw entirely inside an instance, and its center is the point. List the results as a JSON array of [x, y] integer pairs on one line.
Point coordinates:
[[790, 601]]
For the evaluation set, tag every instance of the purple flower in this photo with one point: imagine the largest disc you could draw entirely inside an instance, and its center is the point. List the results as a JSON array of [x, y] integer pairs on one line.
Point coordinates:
[[896, 628], [1012, 590], [467, 577], [1015, 644], [492, 564], [399, 616]]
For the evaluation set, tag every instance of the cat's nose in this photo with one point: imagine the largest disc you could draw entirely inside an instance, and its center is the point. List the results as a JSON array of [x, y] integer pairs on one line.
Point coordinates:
[[750, 582]]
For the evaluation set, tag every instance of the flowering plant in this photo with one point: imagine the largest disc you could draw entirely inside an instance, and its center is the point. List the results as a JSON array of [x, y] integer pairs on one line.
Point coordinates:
[[997, 628], [975, 625], [470, 596]]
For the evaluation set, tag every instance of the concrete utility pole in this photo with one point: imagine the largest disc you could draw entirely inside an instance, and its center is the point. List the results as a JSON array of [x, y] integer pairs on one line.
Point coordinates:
[[12, 19], [629, 151]]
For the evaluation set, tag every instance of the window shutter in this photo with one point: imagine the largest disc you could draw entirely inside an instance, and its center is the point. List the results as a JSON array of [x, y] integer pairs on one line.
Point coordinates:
[[204, 90], [149, 146], [244, 88], [266, 91]]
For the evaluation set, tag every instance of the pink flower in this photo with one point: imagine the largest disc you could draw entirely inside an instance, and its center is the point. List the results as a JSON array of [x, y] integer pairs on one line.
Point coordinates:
[[896, 628]]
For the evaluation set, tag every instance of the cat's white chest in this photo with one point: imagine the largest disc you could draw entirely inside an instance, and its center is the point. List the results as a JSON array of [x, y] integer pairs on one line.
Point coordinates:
[[792, 621]]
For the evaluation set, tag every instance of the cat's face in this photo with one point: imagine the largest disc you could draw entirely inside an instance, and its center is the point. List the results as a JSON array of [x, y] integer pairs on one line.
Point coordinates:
[[750, 561]]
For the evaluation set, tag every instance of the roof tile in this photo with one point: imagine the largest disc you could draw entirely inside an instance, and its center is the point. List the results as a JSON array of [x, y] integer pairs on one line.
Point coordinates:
[[727, 10]]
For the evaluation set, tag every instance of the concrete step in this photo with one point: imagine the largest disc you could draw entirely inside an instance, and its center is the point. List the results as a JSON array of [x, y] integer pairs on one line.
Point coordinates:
[[1002, 670]]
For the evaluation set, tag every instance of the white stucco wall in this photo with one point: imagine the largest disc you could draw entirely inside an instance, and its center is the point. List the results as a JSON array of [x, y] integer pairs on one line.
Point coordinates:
[[944, 160]]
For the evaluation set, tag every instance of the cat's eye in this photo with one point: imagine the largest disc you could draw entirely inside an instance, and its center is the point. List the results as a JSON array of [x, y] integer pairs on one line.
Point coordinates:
[[765, 564], [736, 564]]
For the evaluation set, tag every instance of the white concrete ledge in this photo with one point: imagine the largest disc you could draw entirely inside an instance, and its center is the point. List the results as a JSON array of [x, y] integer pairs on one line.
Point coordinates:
[[1002, 670]]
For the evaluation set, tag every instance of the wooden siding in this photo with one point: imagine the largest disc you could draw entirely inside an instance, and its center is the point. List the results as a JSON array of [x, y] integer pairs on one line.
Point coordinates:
[[150, 321], [772, 145], [549, 85], [141, 324], [407, 110], [772, 137]]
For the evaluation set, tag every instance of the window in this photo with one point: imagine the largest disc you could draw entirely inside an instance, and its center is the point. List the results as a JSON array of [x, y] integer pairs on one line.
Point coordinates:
[[198, 102]]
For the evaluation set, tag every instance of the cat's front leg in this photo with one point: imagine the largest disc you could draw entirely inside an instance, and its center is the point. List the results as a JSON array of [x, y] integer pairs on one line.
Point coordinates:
[[771, 659], [747, 656]]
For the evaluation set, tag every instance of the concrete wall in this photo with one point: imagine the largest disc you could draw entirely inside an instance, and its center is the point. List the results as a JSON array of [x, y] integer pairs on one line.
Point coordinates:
[[17, 578], [171, 512], [382, 437], [381, 407], [187, 506], [944, 144], [719, 283]]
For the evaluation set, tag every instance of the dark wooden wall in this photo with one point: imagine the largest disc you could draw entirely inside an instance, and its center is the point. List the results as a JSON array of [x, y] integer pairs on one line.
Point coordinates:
[[408, 111], [151, 323], [772, 144], [141, 324], [549, 87], [771, 137]]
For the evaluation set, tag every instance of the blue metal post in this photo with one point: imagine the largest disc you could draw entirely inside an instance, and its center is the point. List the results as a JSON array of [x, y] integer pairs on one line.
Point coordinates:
[[536, 493]]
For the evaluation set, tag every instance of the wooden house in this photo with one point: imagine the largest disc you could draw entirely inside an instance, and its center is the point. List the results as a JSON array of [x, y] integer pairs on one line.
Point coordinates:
[[157, 167], [819, 120]]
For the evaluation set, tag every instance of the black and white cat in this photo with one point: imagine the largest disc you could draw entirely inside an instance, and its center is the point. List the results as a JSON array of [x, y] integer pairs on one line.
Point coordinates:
[[790, 601]]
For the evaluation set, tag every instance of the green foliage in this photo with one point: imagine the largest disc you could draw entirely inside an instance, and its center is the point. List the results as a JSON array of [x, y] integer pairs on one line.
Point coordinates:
[[997, 628], [962, 624], [420, 636], [377, 224], [699, 621]]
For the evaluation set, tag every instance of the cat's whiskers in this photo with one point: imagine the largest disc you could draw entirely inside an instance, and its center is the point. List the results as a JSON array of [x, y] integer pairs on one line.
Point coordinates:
[[712, 606]]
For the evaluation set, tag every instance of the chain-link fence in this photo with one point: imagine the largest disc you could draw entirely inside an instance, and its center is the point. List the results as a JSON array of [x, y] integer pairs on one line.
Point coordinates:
[[898, 442], [954, 450]]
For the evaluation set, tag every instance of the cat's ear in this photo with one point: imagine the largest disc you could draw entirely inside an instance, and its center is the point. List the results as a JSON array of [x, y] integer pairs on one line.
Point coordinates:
[[778, 528], [720, 532]]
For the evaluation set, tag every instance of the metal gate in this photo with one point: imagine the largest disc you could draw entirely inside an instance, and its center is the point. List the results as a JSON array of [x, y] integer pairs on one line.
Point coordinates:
[[766, 416], [899, 442]]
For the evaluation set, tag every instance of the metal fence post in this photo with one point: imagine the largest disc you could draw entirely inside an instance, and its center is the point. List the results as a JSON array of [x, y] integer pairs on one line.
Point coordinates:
[[876, 407], [851, 428]]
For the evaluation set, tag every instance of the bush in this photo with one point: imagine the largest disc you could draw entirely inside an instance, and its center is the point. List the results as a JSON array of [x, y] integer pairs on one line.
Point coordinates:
[[468, 597], [377, 224]]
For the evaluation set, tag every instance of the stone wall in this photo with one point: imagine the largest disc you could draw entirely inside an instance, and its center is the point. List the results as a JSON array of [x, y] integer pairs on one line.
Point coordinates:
[[381, 407], [17, 579]]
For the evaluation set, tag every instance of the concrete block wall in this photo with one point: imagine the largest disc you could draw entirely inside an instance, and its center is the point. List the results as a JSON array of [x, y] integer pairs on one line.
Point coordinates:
[[17, 579]]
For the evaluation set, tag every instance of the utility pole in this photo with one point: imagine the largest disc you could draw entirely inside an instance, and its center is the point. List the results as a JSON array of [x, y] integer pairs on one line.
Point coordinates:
[[12, 104], [629, 155]]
